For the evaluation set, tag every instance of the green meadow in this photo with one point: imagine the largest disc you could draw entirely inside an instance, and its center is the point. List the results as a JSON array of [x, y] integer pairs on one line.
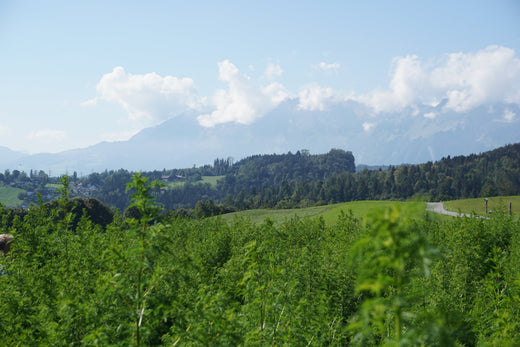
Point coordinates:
[[478, 205], [330, 213], [54, 185], [211, 180], [361, 209], [9, 196]]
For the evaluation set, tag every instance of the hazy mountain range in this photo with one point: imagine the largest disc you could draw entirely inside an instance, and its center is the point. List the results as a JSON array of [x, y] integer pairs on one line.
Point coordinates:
[[413, 135]]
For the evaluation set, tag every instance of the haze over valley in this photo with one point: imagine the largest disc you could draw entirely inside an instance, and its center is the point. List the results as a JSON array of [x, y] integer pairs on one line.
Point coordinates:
[[397, 138]]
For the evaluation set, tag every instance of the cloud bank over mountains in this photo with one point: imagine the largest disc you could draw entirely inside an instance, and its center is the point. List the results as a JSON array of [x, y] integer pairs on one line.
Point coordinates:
[[459, 103], [148, 99], [243, 102], [465, 80], [389, 138]]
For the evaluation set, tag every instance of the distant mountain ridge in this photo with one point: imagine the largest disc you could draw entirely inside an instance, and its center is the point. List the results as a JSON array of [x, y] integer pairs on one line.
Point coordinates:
[[413, 135], [8, 156]]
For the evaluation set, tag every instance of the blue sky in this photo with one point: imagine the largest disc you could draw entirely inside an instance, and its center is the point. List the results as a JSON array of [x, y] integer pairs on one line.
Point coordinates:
[[75, 73]]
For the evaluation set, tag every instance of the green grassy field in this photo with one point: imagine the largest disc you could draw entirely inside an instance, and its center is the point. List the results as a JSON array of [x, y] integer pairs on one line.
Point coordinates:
[[212, 180], [478, 205], [330, 213], [9, 196], [361, 209]]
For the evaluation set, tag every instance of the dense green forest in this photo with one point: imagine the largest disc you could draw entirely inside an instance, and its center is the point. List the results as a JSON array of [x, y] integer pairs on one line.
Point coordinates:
[[292, 181], [302, 180], [273, 175], [395, 280]]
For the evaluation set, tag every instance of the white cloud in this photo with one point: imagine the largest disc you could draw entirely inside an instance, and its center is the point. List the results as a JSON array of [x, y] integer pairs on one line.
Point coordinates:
[[4, 129], [328, 66], [368, 126], [47, 136], [149, 98], [407, 83], [314, 97], [276, 92], [273, 71], [472, 79], [242, 102], [466, 80], [89, 103], [509, 116], [430, 115]]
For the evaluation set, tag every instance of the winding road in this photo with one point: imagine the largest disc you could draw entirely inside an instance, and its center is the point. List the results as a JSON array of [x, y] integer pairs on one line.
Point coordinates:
[[438, 207]]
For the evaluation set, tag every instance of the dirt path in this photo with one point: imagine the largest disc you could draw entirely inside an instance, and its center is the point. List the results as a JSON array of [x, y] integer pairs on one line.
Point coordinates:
[[438, 207]]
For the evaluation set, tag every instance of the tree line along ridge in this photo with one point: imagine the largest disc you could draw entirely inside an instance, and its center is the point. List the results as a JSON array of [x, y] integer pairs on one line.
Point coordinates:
[[302, 180]]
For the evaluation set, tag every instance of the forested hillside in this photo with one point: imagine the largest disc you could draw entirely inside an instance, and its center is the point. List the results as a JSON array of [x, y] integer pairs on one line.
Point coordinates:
[[392, 280], [300, 180], [297, 180], [488, 174], [238, 181]]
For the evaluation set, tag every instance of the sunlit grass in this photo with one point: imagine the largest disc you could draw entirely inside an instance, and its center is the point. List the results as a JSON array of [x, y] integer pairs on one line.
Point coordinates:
[[211, 180], [478, 205], [278, 216], [330, 213], [361, 209], [9, 196]]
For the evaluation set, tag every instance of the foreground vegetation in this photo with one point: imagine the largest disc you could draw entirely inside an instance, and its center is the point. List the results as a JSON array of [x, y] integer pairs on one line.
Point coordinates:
[[152, 280]]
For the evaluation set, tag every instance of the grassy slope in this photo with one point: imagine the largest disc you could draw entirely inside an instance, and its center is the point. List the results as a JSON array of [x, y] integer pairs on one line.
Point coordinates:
[[478, 205], [330, 213], [212, 180], [361, 209], [259, 215], [9, 196]]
